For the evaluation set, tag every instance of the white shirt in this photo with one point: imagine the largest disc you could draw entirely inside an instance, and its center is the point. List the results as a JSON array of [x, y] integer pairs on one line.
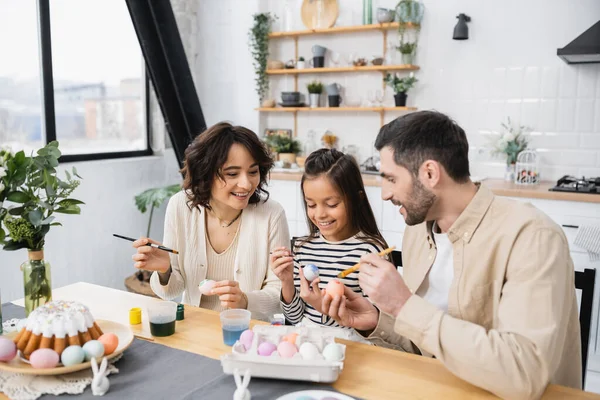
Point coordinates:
[[436, 285]]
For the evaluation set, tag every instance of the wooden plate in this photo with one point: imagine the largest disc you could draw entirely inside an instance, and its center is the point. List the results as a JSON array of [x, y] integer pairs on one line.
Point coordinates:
[[328, 17], [19, 366]]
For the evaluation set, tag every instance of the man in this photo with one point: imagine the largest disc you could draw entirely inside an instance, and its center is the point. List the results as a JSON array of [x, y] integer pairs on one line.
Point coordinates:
[[488, 283]]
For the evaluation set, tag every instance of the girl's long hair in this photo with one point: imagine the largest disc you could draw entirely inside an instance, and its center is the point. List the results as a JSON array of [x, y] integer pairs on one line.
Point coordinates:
[[344, 174]]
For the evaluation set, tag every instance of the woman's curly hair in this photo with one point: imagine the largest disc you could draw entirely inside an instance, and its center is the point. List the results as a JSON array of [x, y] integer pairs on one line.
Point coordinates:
[[207, 154]]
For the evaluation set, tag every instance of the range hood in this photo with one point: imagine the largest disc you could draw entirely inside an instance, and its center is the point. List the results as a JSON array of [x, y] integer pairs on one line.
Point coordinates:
[[584, 49]]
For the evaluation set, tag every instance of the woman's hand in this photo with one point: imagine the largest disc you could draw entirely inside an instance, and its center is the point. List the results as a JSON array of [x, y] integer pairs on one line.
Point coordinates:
[[150, 258], [310, 293], [282, 264], [230, 294]]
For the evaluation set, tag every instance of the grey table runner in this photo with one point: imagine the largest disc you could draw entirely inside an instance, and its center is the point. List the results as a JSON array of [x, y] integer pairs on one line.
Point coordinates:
[[153, 371]]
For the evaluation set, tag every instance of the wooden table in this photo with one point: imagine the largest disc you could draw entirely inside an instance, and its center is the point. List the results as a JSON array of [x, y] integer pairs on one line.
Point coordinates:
[[369, 372]]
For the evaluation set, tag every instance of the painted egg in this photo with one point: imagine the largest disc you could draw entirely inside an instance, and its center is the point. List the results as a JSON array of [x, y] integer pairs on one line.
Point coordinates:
[[72, 355], [8, 349], [246, 338], [335, 288], [333, 352], [110, 342], [206, 286], [290, 338], [311, 272], [93, 348], [44, 358], [286, 349], [309, 351], [266, 349]]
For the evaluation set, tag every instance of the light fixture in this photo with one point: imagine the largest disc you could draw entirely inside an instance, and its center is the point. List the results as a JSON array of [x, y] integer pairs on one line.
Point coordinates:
[[461, 30]]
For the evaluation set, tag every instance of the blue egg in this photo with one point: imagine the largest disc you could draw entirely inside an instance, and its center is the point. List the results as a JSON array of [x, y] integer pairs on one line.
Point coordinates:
[[311, 272], [72, 355], [93, 348]]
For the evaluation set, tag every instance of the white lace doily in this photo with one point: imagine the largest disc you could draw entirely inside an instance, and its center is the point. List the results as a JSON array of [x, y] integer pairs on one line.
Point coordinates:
[[30, 387]]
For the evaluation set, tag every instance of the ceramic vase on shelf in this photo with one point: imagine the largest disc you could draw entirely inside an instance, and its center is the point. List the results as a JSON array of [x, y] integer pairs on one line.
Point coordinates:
[[408, 58], [509, 173], [36, 281], [313, 99], [400, 99]]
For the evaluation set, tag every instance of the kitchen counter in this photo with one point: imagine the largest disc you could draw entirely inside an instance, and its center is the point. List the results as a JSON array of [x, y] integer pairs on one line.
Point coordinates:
[[499, 187]]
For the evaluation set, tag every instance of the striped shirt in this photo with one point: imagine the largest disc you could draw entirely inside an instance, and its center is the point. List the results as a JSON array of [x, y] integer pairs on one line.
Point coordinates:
[[331, 258]]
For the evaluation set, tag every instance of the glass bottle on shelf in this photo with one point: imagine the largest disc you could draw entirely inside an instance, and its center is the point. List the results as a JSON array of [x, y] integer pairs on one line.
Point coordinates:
[[367, 12], [287, 17], [310, 144]]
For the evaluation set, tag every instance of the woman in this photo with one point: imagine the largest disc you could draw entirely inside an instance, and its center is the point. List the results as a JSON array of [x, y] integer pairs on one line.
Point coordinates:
[[223, 225]]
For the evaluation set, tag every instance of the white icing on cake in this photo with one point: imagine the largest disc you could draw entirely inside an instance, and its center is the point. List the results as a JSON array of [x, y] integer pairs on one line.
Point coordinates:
[[60, 318]]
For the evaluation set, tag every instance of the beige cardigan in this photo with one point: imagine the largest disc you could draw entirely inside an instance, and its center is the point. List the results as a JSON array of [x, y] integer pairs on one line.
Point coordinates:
[[263, 228]]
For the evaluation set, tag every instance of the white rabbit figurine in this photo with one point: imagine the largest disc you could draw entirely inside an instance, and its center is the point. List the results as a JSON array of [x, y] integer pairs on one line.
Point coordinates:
[[242, 392], [100, 383]]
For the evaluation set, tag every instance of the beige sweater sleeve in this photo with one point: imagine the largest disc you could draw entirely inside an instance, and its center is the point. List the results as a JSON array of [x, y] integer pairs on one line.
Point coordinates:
[[176, 284], [517, 359], [266, 300]]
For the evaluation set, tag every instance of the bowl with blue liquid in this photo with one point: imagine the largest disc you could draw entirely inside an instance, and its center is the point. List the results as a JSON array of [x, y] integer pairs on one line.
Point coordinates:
[[162, 318], [233, 323]]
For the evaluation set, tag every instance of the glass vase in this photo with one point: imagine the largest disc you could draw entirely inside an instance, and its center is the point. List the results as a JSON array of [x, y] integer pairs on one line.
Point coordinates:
[[36, 281]]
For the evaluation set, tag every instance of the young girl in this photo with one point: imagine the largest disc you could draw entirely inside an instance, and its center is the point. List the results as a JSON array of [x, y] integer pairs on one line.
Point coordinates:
[[342, 230]]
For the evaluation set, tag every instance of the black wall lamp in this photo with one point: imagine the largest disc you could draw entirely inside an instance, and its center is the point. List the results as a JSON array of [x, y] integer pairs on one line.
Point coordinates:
[[461, 30]]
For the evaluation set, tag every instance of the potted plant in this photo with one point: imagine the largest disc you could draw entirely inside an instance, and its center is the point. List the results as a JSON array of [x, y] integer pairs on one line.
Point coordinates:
[[408, 51], [286, 148], [300, 64], [149, 199], [259, 46], [315, 88], [510, 143], [401, 87], [31, 193]]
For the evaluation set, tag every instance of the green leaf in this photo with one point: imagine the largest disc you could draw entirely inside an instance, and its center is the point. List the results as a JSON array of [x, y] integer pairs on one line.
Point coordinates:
[[16, 210], [20, 157], [2, 235], [75, 173], [155, 197], [50, 190], [18, 197], [35, 217], [68, 202], [10, 245], [56, 224], [68, 175], [46, 205], [69, 210]]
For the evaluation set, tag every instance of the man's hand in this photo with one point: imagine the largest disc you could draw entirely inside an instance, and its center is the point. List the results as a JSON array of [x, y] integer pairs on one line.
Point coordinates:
[[351, 309], [380, 280]]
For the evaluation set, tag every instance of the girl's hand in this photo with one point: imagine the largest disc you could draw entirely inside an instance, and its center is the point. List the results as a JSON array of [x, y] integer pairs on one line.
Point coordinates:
[[230, 294], [310, 292], [282, 264], [150, 258]]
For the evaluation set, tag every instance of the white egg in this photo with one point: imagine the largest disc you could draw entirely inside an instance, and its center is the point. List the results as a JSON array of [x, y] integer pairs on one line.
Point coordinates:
[[333, 352], [309, 351], [311, 272]]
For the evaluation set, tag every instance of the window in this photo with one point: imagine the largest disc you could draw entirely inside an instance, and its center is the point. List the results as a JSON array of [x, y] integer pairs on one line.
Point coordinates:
[[20, 98], [91, 70]]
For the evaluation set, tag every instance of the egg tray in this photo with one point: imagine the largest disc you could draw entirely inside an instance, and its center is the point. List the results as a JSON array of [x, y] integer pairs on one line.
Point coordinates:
[[277, 367]]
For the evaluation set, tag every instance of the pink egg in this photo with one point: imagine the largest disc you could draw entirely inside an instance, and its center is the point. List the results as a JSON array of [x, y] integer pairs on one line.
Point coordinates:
[[44, 358], [8, 349], [206, 286], [266, 348], [246, 338], [110, 342], [335, 288], [286, 349]]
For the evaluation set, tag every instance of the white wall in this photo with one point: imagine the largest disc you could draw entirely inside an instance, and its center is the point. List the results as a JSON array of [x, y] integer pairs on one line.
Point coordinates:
[[508, 67], [83, 249]]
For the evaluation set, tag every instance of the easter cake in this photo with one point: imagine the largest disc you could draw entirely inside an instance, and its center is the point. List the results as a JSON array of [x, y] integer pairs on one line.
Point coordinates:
[[57, 325]]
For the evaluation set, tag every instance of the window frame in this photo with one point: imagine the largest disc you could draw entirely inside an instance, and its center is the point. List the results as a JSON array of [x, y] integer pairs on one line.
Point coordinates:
[[47, 93]]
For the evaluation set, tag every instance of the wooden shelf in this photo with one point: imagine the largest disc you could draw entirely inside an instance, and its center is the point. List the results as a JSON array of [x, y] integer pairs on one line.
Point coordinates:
[[334, 109], [368, 68], [340, 29]]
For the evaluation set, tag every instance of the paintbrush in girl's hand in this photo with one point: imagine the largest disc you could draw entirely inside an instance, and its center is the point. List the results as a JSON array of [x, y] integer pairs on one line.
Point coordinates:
[[157, 246], [350, 270]]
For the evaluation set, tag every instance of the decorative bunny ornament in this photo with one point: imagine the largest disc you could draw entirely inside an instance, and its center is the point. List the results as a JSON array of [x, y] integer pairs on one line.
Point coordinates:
[[242, 392], [100, 383]]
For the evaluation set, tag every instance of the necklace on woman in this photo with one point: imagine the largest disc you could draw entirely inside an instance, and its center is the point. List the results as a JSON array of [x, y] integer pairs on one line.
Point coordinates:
[[227, 224]]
